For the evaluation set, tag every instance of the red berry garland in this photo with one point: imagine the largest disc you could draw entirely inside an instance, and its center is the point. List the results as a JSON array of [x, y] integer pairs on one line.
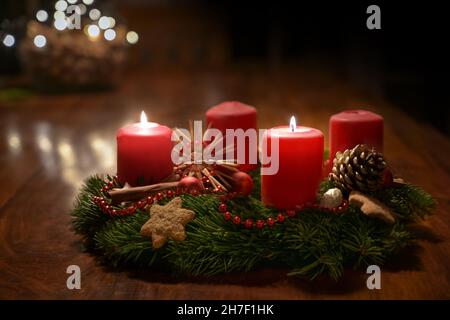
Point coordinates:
[[259, 224], [270, 221], [106, 208]]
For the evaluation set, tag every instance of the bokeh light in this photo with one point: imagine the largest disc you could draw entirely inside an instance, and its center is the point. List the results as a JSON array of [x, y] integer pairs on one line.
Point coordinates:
[[110, 34], [40, 41], [103, 22], [59, 15], [42, 15], [9, 40], [61, 5], [94, 14], [112, 22], [132, 37], [60, 24], [93, 31]]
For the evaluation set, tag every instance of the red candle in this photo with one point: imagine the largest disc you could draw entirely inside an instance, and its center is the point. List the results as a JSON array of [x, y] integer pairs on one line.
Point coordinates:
[[352, 127], [300, 166], [144, 153], [235, 115]]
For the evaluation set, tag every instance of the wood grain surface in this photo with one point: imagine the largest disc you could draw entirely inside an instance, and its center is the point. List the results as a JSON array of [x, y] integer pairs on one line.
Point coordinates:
[[50, 143]]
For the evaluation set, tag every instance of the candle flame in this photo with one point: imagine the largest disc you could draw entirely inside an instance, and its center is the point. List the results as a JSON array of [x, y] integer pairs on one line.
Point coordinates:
[[293, 124], [143, 118]]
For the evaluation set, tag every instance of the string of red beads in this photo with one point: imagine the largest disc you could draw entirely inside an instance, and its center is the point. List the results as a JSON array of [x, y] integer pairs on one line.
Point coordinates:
[[106, 208], [270, 221]]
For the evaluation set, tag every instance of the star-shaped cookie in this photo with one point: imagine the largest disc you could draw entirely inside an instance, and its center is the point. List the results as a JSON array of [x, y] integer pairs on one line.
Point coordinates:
[[167, 222]]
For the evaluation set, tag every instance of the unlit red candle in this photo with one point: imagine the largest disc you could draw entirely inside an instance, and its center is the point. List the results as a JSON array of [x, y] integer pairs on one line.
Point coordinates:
[[144, 153], [234, 115], [352, 127], [300, 167]]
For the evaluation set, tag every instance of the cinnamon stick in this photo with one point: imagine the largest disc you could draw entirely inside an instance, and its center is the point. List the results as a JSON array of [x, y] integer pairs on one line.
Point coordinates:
[[137, 193]]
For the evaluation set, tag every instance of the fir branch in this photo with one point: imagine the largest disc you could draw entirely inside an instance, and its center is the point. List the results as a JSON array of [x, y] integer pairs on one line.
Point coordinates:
[[87, 218], [409, 202], [121, 243], [313, 243], [214, 247]]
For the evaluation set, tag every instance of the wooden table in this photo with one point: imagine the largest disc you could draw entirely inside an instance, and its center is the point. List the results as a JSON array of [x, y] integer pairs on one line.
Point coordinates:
[[50, 143]]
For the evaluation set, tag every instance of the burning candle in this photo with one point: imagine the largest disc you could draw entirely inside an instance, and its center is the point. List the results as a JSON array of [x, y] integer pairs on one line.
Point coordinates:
[[143, 152], [236, 115], [352, 127], [300, 166]]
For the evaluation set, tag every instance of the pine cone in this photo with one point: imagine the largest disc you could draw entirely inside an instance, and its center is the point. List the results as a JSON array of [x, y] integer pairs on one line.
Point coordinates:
[[360, 168]]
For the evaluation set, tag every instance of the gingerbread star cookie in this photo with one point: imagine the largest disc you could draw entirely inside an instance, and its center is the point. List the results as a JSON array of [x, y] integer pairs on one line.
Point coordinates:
[[167, 223]]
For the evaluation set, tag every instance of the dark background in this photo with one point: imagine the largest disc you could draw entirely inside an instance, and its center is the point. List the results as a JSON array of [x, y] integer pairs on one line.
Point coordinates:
[[405, 61]]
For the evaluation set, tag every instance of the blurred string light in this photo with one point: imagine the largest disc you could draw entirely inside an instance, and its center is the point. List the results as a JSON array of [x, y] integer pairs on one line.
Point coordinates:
[[104, 22], [61, 5], [132, 37], [60, 24], [59, 15], [42, 15], [40, 41], [112, 22], [94, 14], [93, 31], [9, 40], [110, 34]]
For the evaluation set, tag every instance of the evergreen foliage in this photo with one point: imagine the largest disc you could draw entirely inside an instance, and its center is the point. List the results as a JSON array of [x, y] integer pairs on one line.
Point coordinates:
[[313, 243]]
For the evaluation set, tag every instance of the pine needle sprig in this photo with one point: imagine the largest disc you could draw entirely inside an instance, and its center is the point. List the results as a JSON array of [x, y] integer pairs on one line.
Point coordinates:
[[409, 202], [121, 243], [87, 218]]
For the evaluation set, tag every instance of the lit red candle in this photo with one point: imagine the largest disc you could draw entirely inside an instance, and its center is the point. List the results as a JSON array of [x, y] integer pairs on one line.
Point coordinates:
[[352, 127], [235, 115], [144, 153], [300, 166]]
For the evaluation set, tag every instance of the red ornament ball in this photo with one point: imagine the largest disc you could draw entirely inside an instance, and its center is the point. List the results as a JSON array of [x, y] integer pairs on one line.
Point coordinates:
[[190, 184], [237, 220], [248, 223], [260, 224], [280, 217], [141, 204], [242, 183], [270, 222], [131, 209], [223, 208], [227, 215]]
